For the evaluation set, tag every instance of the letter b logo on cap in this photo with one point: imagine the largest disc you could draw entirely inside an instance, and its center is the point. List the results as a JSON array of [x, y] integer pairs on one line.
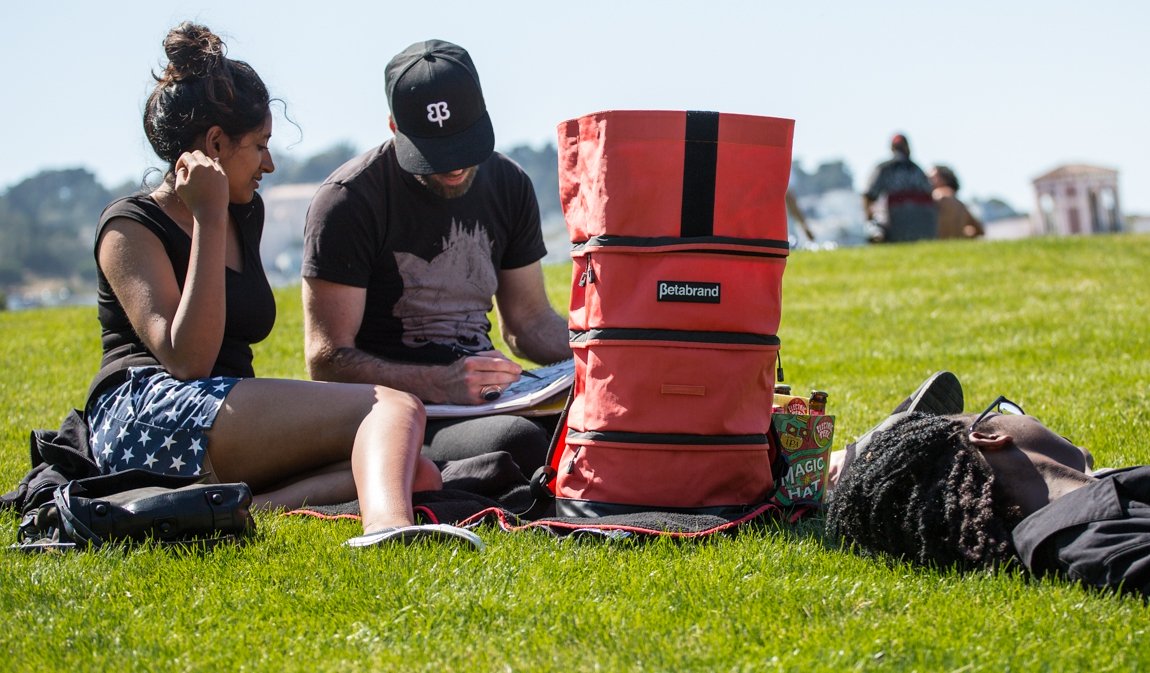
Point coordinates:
[[437, 113]]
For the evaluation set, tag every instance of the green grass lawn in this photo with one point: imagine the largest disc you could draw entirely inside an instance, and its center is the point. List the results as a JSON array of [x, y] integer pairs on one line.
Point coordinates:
[[1061, 326]]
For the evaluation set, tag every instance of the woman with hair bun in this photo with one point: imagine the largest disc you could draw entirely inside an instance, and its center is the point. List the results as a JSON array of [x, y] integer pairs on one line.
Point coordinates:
[[182, 296]]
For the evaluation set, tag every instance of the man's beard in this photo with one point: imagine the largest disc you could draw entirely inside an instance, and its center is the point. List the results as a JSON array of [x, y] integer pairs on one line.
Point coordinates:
[[448, 191]]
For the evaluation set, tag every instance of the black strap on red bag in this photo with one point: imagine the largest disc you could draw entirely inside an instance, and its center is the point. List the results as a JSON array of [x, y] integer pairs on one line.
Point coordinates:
[[700, 159]]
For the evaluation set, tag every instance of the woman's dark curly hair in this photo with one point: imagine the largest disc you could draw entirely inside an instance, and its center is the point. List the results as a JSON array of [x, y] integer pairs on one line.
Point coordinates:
[[920, 491], [200, 88]]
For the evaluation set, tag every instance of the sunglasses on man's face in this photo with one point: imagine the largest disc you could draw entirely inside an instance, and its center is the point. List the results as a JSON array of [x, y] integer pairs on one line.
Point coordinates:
[[1000, 405]]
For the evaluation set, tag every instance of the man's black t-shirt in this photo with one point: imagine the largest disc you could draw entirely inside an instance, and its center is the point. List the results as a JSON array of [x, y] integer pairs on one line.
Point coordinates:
[[428, 263]]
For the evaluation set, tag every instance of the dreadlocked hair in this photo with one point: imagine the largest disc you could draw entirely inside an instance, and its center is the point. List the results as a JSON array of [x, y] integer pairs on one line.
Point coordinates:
[[921, 492]]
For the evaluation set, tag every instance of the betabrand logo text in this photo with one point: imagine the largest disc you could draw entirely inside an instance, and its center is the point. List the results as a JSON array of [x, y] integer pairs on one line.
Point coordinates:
[[688, 291]]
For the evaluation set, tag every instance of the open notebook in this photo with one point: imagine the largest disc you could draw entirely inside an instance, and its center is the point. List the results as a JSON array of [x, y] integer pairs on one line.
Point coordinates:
[[526, 396]]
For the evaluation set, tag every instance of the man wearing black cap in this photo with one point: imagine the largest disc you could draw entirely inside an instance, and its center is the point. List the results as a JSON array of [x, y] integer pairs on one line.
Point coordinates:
[[911, 213], [406, 245]]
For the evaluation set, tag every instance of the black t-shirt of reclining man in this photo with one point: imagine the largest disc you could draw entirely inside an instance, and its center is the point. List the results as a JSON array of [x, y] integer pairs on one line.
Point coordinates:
[[1098, 535], [429, 264]]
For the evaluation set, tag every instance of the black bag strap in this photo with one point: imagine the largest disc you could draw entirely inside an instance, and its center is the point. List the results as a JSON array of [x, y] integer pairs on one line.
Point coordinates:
[[543, 476], [71, 525], [700, 158]]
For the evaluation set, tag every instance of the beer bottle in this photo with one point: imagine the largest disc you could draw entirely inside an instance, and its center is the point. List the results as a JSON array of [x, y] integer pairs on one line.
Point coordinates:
[[818, 403]]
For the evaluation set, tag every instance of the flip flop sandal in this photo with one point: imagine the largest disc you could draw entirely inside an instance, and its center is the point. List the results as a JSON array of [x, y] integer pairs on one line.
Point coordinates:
[[434, 532]]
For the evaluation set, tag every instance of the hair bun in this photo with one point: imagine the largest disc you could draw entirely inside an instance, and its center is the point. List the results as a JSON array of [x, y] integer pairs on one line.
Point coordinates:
[[199, 88], [193, 51]]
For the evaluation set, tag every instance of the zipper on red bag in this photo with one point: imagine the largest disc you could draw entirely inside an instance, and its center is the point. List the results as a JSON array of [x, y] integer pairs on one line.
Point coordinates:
[[588, 275], [574, 455], [587, 279]]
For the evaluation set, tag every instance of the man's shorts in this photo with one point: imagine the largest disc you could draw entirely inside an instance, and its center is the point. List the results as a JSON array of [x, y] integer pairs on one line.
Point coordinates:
[[155, 422]]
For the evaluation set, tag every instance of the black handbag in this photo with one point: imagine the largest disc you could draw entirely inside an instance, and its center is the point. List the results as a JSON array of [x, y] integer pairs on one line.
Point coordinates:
[[136, 505]]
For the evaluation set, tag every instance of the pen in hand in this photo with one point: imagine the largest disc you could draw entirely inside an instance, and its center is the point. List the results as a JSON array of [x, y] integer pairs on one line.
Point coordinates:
[[461, 352], [492, 393]]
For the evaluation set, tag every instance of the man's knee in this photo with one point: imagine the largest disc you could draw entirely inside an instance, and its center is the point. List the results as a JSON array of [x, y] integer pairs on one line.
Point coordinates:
[[523, 438], [527, 442]]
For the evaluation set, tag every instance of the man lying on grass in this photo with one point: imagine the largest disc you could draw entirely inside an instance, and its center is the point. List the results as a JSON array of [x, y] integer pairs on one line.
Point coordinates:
[[939, 487]]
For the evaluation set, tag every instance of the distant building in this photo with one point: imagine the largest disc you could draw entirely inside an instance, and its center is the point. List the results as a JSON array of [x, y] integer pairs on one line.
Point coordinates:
[[1077, 199], [282, 245], [991, 210], [1006, 228], [1139, 224], [835, 217]]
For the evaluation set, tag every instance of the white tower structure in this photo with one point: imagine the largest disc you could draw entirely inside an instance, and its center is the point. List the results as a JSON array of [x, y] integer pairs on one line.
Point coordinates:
[[1077, 199]]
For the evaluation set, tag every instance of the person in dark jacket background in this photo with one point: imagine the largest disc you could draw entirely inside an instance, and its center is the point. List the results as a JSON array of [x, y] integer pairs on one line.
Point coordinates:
[[911, 214]]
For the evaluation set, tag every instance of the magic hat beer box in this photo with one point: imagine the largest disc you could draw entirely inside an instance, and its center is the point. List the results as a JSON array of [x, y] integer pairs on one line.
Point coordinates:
[[806, 441]]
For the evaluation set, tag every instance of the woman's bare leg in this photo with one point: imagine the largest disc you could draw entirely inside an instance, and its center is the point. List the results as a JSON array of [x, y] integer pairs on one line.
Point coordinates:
[[387, 444], [335, 484], [321, 488], [272, 431]]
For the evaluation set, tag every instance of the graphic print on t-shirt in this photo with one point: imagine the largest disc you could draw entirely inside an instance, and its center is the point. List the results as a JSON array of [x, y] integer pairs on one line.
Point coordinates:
[[446, 300]]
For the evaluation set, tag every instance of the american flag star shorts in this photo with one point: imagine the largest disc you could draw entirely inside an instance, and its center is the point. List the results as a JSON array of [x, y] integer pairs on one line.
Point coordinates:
[[155, 422]]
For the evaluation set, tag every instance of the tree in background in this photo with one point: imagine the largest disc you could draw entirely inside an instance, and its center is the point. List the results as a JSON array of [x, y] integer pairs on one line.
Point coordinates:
[[47, 223], [827, 177], [15, 242], [316, 168]]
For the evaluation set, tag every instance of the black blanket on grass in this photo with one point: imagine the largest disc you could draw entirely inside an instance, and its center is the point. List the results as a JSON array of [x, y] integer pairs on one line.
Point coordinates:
[[486, 488], [491, 488]]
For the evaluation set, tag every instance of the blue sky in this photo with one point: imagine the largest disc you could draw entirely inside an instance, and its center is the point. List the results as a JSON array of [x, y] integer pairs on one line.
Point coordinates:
[[1001, 91]]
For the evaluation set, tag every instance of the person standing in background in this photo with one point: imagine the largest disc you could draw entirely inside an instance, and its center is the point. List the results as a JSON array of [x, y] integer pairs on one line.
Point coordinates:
[[911, 214]]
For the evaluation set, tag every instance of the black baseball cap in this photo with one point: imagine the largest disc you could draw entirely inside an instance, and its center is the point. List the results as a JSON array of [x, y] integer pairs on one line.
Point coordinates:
[[437, 104]]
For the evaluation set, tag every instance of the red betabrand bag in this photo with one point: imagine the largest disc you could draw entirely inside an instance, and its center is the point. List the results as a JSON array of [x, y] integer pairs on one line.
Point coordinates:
[[679, 241]]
